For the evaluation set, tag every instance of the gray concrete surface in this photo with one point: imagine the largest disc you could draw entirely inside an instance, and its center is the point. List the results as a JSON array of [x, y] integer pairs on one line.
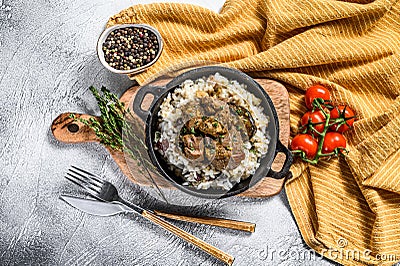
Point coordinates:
[[47, 62]]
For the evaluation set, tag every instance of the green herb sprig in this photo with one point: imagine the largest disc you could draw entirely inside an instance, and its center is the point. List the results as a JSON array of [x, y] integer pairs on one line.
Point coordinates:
[[113, 129]]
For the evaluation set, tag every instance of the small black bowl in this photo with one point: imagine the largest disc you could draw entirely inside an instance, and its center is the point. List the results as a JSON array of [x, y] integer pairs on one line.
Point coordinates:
[[150, 118]]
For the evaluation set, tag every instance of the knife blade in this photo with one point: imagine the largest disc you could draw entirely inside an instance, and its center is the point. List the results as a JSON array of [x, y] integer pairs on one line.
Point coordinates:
[[102, 208], [96, 207]]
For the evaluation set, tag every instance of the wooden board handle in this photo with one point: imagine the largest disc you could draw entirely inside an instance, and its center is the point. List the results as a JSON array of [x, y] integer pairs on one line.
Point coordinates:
[[225, 223], [67, 129], [210, 249]]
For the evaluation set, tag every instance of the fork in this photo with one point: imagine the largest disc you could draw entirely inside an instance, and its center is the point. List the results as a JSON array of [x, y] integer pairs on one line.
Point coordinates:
[[105, 191]]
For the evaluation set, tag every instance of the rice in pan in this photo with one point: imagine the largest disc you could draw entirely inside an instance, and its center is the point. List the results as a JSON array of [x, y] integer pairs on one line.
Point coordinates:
[[212, 132]]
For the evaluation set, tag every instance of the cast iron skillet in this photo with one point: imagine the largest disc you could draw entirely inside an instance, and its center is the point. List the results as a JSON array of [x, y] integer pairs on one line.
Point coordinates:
[[150, 118]]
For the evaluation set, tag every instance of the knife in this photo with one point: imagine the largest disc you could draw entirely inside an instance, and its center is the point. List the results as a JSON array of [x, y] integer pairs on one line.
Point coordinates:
[[115, 208], [96, 207], [101, 208]]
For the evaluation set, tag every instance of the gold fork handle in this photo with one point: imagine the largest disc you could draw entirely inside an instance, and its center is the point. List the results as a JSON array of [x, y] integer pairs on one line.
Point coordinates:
[[226, 223], [210, 249]]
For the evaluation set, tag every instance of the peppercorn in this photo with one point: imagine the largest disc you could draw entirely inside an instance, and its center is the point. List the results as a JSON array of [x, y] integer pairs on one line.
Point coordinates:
[[130, 48]]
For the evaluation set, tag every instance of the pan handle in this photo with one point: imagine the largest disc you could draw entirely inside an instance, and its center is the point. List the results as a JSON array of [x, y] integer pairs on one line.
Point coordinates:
[[286, 165], [156, 91]]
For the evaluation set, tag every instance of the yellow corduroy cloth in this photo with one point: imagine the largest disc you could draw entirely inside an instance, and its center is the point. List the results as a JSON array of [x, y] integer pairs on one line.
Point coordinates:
[[347, 209]]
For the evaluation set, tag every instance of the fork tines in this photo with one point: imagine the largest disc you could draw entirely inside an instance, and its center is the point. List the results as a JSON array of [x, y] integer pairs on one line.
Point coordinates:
[[84, 179], [93, 176]]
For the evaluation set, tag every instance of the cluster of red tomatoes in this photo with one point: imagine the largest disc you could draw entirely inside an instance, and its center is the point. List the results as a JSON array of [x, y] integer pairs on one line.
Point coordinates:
[[322, 126]]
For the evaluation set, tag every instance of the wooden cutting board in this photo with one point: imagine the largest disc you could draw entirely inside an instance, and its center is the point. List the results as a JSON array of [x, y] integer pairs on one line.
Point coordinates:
[[65, 129]]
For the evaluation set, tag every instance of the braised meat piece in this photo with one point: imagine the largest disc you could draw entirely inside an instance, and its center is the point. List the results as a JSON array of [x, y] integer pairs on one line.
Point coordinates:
[[210, 126], [193, 124], [211, 106], [238, 156], [209, 149], [234, 143], [207, 105], [189, 111], [222, 157], [193, 146], [246, 118]]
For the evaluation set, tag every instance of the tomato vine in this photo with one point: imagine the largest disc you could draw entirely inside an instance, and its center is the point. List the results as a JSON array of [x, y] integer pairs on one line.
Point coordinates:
[[325, 132]]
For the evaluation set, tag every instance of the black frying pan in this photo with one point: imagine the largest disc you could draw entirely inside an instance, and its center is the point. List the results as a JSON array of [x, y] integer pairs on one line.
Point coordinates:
[[150, 118]]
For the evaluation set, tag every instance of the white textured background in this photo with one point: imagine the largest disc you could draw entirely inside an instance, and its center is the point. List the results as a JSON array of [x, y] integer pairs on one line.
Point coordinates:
[[47, 62]]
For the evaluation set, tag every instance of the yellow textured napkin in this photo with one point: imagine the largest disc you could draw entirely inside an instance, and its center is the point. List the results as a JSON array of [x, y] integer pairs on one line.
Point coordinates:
[[348, 209]]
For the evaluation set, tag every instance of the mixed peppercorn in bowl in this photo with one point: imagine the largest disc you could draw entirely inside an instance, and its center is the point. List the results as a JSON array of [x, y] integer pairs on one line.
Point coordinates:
[[129, 48]]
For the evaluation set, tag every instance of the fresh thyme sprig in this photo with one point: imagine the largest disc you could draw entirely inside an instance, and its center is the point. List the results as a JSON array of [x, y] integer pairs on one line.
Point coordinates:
[[114, 130]]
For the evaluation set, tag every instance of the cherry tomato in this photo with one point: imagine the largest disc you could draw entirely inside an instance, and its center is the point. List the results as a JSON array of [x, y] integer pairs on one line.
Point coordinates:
[[316, 91], [332, 141], [317, 119], [342, 111], [306, 143]]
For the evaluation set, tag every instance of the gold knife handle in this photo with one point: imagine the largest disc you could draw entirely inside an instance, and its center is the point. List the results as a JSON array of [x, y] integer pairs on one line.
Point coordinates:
[[226, 223], [210, 249]]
